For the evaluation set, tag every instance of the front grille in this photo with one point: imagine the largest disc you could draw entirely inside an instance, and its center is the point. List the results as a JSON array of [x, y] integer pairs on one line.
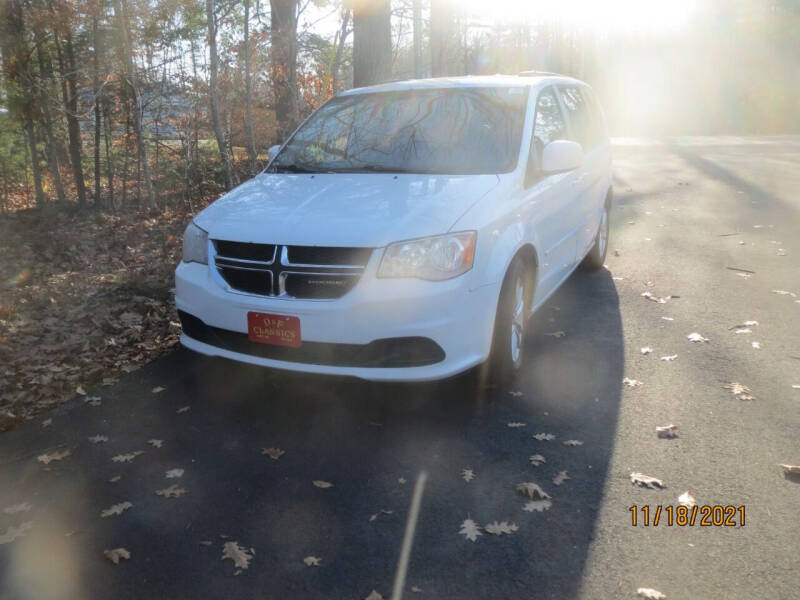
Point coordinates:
[[382, 353], [308, 272]]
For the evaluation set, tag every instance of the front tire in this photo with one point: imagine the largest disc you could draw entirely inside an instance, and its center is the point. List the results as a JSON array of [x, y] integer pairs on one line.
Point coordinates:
[[597, 255], [509, 328]]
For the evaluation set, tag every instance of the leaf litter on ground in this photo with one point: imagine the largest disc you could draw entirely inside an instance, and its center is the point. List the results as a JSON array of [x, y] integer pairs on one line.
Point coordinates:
[[501, 528], [117, 554], [48, 458], [241, 557], [667, 431], [470, 530], [643, 480]]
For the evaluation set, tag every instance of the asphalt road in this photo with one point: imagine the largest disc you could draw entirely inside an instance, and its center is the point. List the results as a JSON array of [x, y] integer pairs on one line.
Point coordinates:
[[676, 202]]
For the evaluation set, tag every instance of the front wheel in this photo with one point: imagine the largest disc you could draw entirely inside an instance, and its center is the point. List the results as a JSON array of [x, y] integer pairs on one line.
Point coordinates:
[[509, 328], [597, 255]]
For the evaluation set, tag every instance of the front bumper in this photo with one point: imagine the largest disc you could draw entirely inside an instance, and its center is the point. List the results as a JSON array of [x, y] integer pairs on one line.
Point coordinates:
[[458, 320]]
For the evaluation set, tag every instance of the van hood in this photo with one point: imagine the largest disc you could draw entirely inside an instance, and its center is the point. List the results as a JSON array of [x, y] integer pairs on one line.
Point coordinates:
[[338, 209]]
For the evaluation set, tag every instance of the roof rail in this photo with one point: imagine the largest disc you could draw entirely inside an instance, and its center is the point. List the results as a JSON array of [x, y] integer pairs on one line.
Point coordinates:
[[535, 73]]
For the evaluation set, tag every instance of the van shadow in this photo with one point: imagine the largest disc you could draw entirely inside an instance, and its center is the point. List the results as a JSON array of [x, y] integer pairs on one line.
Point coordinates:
[[370, 441], [373, 440]]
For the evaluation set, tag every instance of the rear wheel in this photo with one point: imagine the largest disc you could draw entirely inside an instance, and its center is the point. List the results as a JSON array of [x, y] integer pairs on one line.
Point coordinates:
[[509, 328], [597, 255]]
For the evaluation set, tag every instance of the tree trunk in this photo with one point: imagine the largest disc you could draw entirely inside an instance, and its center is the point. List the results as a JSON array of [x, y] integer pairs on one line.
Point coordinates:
[[127, 61], [37, 174], [283, 65], [213, 93], [69, 89], [417, 11], [45, 73], [372, 42], [337, 60], [248, 93], [442, 29], [98, 122]]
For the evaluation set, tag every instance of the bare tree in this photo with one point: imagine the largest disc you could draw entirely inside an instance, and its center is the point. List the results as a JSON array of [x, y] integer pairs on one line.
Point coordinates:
[[213, 92], [248, 93], [372, 42], [283, 65], [341, 38]]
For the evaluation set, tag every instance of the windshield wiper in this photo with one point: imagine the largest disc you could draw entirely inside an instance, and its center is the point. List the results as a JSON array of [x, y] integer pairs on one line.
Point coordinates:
[[293, 168], [375, 169]]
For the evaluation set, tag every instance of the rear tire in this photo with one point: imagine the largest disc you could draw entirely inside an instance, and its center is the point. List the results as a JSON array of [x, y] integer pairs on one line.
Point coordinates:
[[509, 327], [597, 255]]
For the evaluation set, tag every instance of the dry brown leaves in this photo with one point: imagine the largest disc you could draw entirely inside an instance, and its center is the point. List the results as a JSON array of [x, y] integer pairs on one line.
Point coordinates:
[[468, 475], [273, 453], [116, 509], [116, 555], [643, 480], [470, 530], [502, 528], [87, 299], [312, 561], [12, 533], [241, 557], [172, 491], [48, 458], [667, 431], [322, 484], [741, 391], [650, 594]]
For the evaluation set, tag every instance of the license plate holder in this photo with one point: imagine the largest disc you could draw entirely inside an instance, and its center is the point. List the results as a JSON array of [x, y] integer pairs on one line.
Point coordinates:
[[276, 330]]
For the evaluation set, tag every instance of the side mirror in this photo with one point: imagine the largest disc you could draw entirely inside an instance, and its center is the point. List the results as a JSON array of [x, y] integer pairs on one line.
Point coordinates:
[[273, 150], [561, 155]]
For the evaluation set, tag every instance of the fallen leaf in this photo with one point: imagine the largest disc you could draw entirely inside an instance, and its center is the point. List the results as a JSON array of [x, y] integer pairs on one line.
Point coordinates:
[[515, 394], [696, 337], [790, 469], [745, 325], [670, 357], [631, 382], [646, 481], [382, 511], [657, 299], [312, 561], [117, 554], [116, 509], [667, 431], [174, 473], [572, 443], [646, 350], [97, 439], [741, 391], [756, 345], [560, 478], [172, 491], [126, 458], [402, 481], [537, 505], [667, 318], [17, 508], [556, 334], [537, 459], [373, 595], [206, 542], [544, 437], [416, 590], [158, 389], [784, 293], [650, 594], [240, 556], [273, 453], [183, 409], [12, 533], [155, 443], [516, 424], [504, 527], [686, 499], [744, 330], [48, 458], [322, 484], [47, 422], [80, 390], [532, 491], [470, 530], [468, 475], [92, 400], [115, 479]]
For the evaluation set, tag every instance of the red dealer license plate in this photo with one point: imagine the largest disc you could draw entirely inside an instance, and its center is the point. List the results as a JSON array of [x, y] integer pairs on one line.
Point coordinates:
[[279, 330]]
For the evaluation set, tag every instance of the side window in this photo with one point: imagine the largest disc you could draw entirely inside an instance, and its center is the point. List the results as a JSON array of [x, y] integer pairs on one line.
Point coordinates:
[[599, 131], [548, 125], [579, 118]]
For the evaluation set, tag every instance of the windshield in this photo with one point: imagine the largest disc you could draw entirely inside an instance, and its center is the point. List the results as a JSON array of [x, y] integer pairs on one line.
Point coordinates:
[[455, 131]]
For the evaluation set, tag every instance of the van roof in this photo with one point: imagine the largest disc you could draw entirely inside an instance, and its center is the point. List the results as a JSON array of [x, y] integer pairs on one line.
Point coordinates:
[[525, 79]]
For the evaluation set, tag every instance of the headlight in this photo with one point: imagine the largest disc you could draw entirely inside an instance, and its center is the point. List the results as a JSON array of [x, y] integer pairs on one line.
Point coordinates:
[[195, 245], [433, 258]]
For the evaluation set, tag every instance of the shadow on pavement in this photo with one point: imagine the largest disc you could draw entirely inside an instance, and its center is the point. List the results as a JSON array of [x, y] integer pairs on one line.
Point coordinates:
[[369, 440]]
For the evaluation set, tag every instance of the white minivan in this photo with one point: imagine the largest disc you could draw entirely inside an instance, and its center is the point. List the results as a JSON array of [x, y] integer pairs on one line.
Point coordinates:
[[405, 231]]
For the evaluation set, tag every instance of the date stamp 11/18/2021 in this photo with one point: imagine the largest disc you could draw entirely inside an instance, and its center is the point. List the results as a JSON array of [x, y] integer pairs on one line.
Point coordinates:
[[705, 515]]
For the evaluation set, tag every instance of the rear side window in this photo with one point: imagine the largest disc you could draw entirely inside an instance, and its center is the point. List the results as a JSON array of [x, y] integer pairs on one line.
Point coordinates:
[[599, 133], [580, 120], [549, 123]]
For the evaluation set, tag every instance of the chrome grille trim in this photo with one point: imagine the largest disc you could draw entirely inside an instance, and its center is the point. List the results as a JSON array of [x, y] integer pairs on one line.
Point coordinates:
[[277, 271]]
